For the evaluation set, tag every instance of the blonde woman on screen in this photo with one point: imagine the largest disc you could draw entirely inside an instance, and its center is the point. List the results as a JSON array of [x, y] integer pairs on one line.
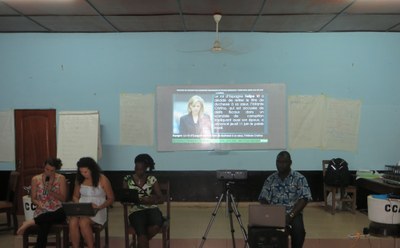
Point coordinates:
[[195, 122]]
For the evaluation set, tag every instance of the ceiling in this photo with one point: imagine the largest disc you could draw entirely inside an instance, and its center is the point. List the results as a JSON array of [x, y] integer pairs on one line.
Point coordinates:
[[55, 16]]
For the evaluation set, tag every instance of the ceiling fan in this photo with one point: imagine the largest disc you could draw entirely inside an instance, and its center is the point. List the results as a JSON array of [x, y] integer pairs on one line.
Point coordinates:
[[217, 44], [221, 46]]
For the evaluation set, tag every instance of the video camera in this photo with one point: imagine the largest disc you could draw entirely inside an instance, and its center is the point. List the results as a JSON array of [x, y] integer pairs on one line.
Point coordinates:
[[231, 175]]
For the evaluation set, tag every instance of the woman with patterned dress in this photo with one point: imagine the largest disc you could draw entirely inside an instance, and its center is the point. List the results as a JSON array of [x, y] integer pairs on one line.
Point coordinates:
[[48, 191], [145, 217], [94, 187]]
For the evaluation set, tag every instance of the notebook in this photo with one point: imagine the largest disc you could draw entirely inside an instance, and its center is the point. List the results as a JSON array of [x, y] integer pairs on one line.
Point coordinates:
[[79, 209], [263, 215], [129, 195]]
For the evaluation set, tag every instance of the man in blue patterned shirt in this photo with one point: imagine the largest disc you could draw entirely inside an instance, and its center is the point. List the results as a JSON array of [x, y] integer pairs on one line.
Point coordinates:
[[289, 188]]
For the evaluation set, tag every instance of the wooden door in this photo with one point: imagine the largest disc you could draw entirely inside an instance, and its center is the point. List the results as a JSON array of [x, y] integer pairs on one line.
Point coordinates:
[[35, 141]]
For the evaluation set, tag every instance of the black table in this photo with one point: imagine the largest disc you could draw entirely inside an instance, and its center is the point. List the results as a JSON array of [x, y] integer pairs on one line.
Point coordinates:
[[367, 186]]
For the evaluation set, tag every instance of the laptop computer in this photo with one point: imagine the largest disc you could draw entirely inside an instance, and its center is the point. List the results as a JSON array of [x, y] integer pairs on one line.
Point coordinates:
[[263, 215], [79, 209], [129, 195]]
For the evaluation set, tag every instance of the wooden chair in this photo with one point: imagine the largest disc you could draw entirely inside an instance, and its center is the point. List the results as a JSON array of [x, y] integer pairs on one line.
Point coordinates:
[[56, 230], [347, 194], [165, 229], [97, 229], [60, 231], [9, 206]]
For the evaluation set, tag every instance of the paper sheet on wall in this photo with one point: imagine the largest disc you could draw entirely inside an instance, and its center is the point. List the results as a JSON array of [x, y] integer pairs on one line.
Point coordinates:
[[342, 125], [306, 119], [137, 119], [7, 136], [323, 122], [78, 136]]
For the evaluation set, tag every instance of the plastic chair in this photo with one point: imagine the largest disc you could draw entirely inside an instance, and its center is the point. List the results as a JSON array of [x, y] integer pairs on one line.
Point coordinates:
[[347, 194], [9, 206], [165, 229]]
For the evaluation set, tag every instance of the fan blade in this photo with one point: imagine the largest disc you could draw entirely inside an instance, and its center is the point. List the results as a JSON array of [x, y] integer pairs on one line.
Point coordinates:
[[217, 46]]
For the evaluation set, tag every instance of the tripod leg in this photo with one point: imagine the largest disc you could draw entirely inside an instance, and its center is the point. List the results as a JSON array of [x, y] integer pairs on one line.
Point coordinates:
[[214, 213], [237, 214], [229, 207]]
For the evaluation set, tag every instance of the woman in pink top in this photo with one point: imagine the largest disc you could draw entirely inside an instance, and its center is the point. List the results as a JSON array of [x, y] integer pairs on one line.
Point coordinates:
[[48, 191]]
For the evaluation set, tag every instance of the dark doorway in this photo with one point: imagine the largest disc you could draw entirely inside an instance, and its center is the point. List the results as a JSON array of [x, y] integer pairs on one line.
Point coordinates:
[[35, 141]]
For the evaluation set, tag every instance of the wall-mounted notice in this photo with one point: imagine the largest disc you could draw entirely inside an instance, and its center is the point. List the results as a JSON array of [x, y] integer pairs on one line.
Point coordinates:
[[306, 119], [7, 136], [323, 122], [78, 136], [342, 124], [137, 119]]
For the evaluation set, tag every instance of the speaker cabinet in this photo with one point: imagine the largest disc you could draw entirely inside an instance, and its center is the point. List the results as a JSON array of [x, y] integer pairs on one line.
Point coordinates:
[[267, 237]]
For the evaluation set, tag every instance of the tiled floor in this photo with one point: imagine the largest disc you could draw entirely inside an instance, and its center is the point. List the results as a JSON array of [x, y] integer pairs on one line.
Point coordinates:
[[189, 222]]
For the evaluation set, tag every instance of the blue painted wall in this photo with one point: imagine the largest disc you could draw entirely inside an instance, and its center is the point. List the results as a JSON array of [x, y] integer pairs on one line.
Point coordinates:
[[89, 71]]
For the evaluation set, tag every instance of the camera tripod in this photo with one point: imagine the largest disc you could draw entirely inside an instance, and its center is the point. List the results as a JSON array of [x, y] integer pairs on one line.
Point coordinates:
[[231, 207]]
